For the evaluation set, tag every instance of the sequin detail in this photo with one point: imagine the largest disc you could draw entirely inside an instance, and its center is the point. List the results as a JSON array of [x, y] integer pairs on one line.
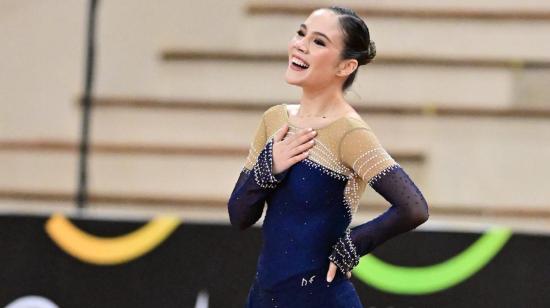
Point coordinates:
[[263, 168], [366, 168], [322, 168], [323, 159], [351, 196], [368, 164], [344, 253], [320, 156], [383, 172]]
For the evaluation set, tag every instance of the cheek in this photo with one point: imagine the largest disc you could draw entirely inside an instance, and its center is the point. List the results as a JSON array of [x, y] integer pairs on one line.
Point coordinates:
[[326, 60]]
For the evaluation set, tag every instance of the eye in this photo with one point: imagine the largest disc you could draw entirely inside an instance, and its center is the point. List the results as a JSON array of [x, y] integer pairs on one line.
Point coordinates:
[[319, 42], [300, 33]]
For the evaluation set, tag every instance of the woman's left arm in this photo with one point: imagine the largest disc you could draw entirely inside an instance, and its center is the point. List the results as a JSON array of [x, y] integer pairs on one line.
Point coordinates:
[[408, 210], [376, 167]]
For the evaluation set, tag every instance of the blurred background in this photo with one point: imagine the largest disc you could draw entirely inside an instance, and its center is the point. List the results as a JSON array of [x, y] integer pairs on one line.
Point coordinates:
[[458, 94]]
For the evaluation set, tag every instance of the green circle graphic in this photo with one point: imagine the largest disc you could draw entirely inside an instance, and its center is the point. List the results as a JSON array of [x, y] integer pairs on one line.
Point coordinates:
[[432, 278]]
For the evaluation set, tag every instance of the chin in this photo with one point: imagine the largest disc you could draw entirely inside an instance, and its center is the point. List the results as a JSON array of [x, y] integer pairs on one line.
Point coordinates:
[[294, 83], [293, 80]]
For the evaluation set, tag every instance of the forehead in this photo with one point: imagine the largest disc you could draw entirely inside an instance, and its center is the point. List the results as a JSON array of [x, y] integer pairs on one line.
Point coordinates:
[[324, 21]]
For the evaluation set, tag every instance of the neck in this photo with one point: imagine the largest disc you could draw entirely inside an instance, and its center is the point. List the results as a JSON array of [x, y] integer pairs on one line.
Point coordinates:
[[328, 101]]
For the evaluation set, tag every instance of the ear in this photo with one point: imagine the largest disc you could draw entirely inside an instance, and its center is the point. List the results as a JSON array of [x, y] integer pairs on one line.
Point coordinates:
[[346, 67]]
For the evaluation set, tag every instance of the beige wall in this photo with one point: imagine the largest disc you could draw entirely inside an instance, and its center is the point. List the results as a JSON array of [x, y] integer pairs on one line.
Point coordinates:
[[479, 161]]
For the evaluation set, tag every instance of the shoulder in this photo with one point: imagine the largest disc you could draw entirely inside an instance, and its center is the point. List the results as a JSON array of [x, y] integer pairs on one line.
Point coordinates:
[[357, 135], [354, 122], [274, 111], [274, 117]]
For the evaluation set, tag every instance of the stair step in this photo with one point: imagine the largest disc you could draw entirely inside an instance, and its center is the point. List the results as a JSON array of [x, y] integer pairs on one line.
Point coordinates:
[[248, 55], [425, 33], [417, 9], [204, 177], [401, 83], [239, 108]]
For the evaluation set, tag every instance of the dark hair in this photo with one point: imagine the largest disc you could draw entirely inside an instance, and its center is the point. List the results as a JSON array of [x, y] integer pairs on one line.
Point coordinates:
[[357, 43]]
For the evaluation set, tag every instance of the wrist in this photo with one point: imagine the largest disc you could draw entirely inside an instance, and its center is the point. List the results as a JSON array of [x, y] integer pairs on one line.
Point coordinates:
[[281, 175], [344, 253], [263, 169]]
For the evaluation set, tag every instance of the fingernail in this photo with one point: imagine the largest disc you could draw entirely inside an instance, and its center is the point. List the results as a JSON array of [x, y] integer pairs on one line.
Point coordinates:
[[328, 279], [310, 129]]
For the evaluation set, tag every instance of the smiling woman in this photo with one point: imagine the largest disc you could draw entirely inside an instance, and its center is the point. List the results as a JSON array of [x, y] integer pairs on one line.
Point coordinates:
[[311, 162], [353, 43]]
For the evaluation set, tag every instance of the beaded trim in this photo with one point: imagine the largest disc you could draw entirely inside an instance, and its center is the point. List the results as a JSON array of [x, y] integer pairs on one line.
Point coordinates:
[[344, 253], [325, 159], [263, 169], [351, 197], [371, 161], [366, 162], [364, 154], [375, 178], [316, 165]]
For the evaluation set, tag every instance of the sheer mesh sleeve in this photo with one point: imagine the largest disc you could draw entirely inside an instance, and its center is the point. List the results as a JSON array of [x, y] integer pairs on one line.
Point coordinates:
[[408, 210], [256, 180], [362, 151]]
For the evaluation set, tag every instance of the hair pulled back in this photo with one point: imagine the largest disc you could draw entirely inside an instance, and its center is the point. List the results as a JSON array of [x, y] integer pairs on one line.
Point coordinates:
[[357, 43]]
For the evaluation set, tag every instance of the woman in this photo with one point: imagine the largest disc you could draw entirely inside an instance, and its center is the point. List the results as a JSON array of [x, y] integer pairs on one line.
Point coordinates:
[[311, 162]]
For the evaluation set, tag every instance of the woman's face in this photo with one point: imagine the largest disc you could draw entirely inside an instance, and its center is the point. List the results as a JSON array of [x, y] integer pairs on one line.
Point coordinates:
[[314, 51]]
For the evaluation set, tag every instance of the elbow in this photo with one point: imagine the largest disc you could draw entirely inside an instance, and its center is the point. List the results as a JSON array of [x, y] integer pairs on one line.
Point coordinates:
[[419, 214], [422, 214], [239, 224], [236, 220], [424, 217]]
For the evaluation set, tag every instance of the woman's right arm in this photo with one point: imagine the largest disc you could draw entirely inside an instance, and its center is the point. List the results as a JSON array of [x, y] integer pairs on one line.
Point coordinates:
[[266, 166], [256, 181]]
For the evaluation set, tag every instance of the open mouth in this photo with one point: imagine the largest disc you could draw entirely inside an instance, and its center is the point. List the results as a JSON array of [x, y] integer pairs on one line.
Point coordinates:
[[298, 64]]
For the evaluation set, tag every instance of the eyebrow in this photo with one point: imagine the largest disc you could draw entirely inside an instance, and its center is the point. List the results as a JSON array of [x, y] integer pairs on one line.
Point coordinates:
[[317, 32]]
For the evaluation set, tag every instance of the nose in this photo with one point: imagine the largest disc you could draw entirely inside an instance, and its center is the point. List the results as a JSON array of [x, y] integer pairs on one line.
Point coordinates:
[[300, 44]]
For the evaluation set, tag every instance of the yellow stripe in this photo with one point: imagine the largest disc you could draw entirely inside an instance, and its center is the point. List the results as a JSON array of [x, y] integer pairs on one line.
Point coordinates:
[[109, 251]]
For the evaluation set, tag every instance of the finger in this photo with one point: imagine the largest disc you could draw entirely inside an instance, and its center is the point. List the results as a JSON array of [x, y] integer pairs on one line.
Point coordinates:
[[281, 133], [303, 137], [348, 274], [297, 158], [287, 138], [331, 272], [303, 147]]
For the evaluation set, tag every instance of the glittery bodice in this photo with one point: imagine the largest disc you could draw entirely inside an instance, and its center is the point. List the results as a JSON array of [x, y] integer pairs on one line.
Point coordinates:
[[346, 149], [305, 214], [313, 205]]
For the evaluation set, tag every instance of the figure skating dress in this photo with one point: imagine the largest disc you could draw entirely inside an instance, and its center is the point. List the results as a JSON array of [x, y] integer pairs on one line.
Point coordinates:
[[310, 207]]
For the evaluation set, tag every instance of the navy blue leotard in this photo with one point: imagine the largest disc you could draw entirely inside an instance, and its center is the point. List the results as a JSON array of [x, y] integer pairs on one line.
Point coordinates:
[[309, 209]]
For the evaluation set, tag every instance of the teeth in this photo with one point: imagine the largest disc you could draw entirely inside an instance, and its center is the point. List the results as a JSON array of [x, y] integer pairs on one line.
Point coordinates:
[[299, 62]]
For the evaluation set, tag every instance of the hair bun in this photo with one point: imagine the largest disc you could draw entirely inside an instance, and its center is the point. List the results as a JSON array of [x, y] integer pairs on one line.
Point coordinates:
[[368, 54], [371, 50]]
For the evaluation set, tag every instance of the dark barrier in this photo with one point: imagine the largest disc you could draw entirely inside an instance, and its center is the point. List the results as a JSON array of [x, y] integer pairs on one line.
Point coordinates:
[[170, 263]]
